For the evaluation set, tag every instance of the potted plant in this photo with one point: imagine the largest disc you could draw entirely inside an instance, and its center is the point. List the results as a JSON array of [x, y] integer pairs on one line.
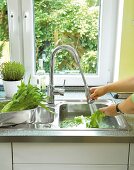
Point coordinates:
[[12, 73]]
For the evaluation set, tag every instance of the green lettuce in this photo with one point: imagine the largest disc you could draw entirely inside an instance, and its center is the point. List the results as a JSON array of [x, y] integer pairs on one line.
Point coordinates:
[[27, 97], [92, 121], [95, 119]]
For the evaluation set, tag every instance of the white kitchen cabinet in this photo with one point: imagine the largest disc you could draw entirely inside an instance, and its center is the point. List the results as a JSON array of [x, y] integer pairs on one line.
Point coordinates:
[[131, 158], [131, 167], [68, 167], [5, 156], [72, 156], [131, 154]]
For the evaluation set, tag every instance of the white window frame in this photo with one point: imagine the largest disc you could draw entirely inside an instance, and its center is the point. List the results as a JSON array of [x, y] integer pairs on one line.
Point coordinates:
[[15, 31], [21, 34], [25, 43]]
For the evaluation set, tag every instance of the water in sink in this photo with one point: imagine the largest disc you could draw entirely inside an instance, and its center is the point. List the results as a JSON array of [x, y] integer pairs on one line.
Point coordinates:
[[68, 111]]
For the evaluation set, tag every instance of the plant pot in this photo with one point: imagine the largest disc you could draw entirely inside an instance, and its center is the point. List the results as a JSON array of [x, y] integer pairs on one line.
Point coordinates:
[[10, 87]]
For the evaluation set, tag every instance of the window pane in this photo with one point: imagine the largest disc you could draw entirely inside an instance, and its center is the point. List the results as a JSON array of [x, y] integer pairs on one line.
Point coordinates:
[[4, 36], [73, 22]]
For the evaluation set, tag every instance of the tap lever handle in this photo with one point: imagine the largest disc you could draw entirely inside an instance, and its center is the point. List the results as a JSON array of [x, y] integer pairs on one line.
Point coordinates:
[[64, 84], [59, 91]]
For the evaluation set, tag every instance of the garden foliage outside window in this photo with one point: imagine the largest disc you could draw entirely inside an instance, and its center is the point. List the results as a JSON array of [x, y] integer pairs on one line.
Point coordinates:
[[4, 36], [34, 28], [72, 22]]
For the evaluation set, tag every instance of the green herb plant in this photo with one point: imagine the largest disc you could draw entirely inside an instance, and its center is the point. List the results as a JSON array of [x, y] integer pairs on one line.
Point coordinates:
[[12, 71], [27, 97]]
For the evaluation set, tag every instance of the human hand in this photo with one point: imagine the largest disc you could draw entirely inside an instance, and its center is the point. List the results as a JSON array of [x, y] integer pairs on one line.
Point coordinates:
[[110, 110], [96, 92]]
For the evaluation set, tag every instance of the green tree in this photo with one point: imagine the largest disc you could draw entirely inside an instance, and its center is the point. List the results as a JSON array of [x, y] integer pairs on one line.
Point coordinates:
[[64, 22], [3, 25]]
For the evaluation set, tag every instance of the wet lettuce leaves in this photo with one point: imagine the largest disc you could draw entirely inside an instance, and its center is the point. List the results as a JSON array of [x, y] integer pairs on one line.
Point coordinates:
[[92, 121], [95, 119]]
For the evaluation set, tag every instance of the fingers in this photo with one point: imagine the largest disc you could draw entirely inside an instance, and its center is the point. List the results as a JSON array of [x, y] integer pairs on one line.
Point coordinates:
[[93, 96], [92, 89], [93, 93], [104, 110], [96, 92], [109, 111]]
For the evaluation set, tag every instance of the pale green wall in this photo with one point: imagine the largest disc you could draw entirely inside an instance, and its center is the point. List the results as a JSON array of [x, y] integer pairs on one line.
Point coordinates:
[[126, 68]]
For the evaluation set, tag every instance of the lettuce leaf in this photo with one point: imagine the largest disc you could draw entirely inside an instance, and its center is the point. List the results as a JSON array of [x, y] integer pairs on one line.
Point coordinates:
[[27, 97], [92, 121], [95, 119]]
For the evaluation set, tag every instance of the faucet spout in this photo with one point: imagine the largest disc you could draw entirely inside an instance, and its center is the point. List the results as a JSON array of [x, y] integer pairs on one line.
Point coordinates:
[[51, 75]]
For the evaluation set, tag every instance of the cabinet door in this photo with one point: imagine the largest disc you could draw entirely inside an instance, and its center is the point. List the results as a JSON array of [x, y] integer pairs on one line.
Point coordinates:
[[132, 154], [131, 167], [71, 153], [67, 167], [5, 156]]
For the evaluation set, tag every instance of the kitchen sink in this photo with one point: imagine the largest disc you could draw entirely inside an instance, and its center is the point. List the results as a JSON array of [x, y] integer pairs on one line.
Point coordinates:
[[44, 116], [30, 117], [66, 110], [70, 110]]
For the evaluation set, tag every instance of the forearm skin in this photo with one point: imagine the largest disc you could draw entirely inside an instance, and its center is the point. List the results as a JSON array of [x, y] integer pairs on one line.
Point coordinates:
[[127, 106], [126, 85]]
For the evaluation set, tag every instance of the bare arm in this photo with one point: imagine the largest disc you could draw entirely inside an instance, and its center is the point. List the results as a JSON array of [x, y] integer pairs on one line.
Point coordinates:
[[126, 85], [127, 106]]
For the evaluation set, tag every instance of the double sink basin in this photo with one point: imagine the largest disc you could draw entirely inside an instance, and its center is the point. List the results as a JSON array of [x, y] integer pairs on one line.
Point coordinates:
[[70, 109], [42, 119]]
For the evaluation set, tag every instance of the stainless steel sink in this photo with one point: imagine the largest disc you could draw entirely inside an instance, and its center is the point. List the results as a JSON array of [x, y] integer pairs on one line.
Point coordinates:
[[64, 110], [34, 116], [44, 116], [69, 110]]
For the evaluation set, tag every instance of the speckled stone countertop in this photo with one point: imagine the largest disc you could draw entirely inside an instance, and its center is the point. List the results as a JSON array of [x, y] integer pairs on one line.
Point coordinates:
[[30, 134]]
